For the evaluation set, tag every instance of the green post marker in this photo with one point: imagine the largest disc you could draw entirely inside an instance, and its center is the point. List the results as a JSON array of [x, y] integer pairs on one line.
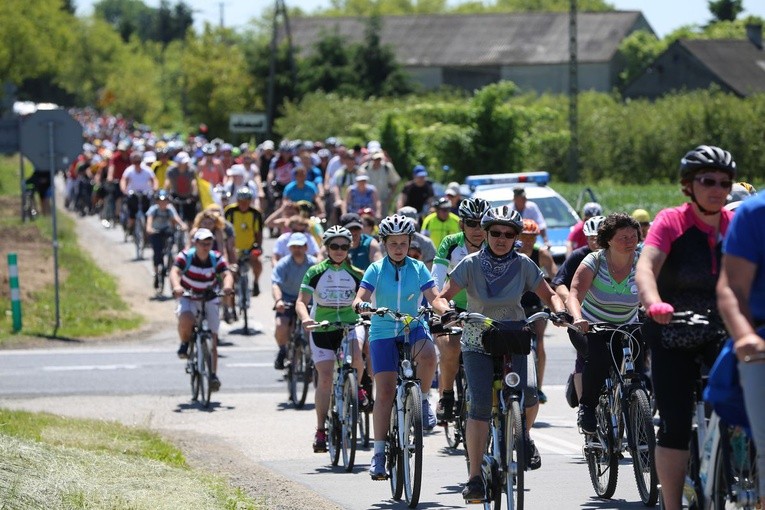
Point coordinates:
[[13, 272]]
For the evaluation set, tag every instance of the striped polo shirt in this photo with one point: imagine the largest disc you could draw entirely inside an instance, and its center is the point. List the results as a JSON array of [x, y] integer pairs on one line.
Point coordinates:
[[200, 275], [608, 300]]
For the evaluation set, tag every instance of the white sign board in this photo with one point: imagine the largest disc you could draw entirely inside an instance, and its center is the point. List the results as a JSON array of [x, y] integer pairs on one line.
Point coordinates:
[[248, 123]]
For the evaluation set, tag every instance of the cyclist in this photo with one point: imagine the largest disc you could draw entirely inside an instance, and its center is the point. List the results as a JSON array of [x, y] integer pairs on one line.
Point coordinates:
[[576, 238], [397, 282], [138, 178], [741, 299], [209, 167], [181, 182], [248, 231], [495, 278], [417, 192], [364, 248], [562, 283], [528, 209], [678, 270], [301, 188], [285, 287], [200, 269], [296, 224], [441, 223], [530, 301], [361, 195], [160, 219], [332, 284], [451, 251], [604, 290], [161, 165], [118, 163]]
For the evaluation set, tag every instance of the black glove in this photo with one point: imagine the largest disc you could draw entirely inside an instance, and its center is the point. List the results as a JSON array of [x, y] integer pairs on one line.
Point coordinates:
[[448, 317], [561, 317]]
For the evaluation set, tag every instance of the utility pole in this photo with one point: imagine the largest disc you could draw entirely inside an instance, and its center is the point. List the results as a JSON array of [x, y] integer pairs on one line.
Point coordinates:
[[221, 8], [573, 95], [280, 9]]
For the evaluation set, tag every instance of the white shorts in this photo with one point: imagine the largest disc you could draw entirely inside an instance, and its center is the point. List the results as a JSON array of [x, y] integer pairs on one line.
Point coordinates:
[[318, 354], [186, 305]]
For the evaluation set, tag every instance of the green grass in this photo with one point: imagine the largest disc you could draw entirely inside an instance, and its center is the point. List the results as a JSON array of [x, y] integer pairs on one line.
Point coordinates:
[[623, 197], [90, 304], [53, 462]]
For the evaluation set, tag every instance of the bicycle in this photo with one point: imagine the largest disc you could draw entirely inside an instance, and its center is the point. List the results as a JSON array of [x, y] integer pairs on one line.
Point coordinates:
[[168, 257], [734, 480], [139, 225], [366, 384], [404, 442], [341, 423], [243, 286], [199, 363], [299, 365], [693, 489], [623, 409], [504, 462], [454, 429]]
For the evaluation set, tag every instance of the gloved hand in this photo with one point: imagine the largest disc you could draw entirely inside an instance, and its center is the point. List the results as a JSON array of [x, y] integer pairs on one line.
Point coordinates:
[[661, 312], [363, 307]]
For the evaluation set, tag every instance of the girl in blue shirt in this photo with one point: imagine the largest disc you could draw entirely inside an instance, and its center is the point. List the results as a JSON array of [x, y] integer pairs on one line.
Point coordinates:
[[398, 282]]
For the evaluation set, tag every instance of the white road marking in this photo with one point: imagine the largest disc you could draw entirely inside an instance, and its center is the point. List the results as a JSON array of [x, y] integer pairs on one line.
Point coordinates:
[[74, 368]]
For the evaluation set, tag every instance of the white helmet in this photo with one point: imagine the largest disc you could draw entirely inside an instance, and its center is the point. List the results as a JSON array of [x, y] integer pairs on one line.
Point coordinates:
[[396, 225], [336, 231], [592, 225], [502, 215]]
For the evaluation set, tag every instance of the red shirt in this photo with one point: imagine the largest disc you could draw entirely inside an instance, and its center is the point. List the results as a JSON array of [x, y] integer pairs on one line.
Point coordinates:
[[577, 237], [120, 161]]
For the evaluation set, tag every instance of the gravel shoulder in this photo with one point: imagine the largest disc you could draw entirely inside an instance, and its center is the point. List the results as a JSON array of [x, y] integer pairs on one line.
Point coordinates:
[[232, 448]]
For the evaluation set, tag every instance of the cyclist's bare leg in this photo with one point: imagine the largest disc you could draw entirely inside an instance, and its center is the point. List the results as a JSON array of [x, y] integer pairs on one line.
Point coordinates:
[[357, 361], [424, 353], [214, 353], [282, 330], [531, 415], [449, 348], [476, 432], [257, 266], [186, 326], [539, 330], [323, 389], [385, 385], [670, 466]]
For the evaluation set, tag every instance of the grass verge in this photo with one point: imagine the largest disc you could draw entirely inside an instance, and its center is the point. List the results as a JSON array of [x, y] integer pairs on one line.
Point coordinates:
[[53, 462], [89, 300]]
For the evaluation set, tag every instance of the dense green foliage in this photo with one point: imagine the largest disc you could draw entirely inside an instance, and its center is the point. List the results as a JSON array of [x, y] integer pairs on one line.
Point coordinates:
[[498, 130], [162, 24]]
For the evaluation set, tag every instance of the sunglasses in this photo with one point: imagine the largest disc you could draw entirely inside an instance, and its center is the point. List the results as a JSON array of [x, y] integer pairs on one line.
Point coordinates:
[[341, 247], [708, 182], [506, 235], [471, 223]]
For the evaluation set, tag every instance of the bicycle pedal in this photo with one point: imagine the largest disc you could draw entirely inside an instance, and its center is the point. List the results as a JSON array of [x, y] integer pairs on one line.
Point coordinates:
[[379, 478], [475, 501]]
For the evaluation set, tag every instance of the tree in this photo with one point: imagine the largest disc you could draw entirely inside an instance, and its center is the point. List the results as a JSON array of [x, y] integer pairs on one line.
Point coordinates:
[[161, 24], [639, 49], [69, 6], [375, 65], [327, 68], [725, 10]]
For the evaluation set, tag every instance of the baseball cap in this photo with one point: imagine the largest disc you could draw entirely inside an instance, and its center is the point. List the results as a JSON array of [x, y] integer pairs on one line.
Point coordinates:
[[149, 157], [420, 171], [297, 239], [236, 170], [374, 146], [377, 155], [362, 177], [350, 220], [268, 145], [408, 211], [641, 216], [202, 234], [182, 157], [518, 191], [451, 192]]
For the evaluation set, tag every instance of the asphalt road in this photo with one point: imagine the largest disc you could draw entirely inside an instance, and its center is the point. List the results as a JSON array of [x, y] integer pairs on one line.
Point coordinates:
[[141, 382]]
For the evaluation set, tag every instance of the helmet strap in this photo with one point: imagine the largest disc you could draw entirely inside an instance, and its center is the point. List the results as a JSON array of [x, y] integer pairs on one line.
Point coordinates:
[[703, 211]]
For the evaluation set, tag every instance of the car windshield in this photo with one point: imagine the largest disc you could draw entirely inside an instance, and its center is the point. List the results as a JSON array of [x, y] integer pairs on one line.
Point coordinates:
[[555, 212]]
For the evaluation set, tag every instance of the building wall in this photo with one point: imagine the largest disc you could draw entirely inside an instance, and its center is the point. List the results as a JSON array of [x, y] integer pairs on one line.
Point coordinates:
[[554, 78], [427, 77]]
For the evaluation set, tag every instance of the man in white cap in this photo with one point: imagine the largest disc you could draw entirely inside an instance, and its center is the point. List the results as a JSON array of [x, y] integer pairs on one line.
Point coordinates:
[[285, 287], [196, 271]]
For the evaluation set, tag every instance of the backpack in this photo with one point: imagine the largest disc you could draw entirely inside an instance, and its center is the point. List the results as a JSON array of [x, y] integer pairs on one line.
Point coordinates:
[[190, 255]]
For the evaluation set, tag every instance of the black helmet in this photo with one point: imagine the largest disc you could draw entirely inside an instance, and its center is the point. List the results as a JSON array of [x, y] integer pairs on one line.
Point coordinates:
[[706, 157]]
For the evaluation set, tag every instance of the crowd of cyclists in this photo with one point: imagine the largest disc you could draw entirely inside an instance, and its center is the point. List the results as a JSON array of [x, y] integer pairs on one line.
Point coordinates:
[[340, 253]]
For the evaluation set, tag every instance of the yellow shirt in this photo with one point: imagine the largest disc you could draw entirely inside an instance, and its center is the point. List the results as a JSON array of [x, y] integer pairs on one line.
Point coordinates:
[[160, 170], [437, 229], [247, 226]]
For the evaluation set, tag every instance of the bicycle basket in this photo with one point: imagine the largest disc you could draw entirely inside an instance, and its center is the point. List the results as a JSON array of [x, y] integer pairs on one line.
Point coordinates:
[[499, 341], [328, 339]]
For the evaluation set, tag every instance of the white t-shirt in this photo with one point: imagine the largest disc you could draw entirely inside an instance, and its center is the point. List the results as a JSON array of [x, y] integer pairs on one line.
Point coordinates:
[[139, 182], [532, 212]]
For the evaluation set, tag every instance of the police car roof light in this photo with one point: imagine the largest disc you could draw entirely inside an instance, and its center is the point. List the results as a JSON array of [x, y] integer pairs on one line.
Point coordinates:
[[540, 178]]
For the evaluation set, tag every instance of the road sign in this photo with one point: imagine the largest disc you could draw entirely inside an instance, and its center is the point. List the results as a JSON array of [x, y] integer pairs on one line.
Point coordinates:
[[9, 136], [36, 138], [248, 123]]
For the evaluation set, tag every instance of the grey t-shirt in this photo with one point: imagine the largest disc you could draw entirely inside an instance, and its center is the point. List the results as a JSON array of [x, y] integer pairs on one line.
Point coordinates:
[[506, 305]]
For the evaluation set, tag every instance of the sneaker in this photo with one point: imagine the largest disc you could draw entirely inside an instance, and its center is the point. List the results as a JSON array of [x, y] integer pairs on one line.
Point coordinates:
[[156, 281], [363, 399], [541, 397], [320, 441], [214, 382], [183, 351], [377, 467], [445, 407], [428, 418], [255, 289], [533, 459], [279, 362], [474, 491], [587, 421]]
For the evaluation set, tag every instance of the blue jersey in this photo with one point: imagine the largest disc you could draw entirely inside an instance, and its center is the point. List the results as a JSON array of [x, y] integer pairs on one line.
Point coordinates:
[[397, 288], [288, 275], [746, 239], [308, 192]]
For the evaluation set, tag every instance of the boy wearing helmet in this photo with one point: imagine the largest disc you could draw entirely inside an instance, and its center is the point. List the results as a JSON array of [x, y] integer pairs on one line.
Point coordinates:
[[331, 285], [160, 219], [576, 238], [495, 278], [248, 232], [397, 282]]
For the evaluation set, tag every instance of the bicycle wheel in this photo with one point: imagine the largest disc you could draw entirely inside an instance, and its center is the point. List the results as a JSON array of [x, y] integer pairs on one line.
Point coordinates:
[[601, 460], [204, 362], [332, 424], [244, 296], [455, 429], [693, 492], [642, 443], [515, 456], [349, 420], [138, 233], [395, 465], [735, 482], [411, 450], [301, 372], [192, 369]]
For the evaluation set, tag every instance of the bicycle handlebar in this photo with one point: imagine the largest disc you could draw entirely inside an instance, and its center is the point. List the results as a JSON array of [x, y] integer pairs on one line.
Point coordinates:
[[334, 324], [608, 327], [203, 296]]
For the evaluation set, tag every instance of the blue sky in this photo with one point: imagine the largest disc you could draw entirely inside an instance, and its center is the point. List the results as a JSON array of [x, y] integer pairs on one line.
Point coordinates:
[[663, 15]]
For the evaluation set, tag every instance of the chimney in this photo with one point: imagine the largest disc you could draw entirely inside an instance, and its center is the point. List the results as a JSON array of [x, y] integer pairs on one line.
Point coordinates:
[[754, 34]]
